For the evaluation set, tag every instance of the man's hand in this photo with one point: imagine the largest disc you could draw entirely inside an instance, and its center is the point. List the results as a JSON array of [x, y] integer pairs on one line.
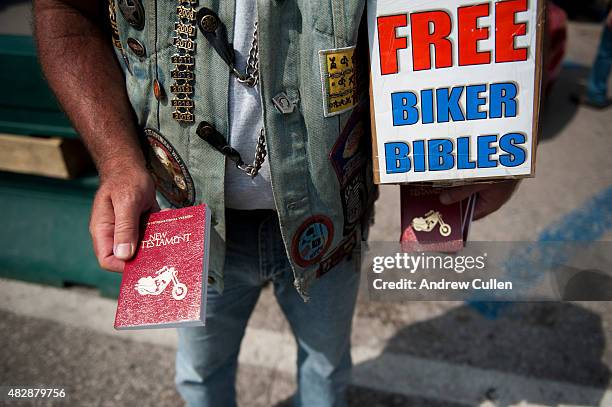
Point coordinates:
[[77, 58], [491, 197], [124, 195]]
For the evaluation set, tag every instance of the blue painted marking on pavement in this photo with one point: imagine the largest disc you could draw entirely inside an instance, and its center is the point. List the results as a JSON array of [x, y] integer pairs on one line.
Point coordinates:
[[584, 224]]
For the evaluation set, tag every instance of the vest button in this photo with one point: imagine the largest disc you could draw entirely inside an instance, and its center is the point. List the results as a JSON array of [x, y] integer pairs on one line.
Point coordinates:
[[211, 280], [209, 23], [133, 12], [137, 47], [206, 131]]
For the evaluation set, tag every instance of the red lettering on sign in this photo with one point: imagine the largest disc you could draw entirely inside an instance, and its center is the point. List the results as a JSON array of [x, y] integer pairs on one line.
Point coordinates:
[[430, 33], [506, 31], [470, 33], [431, 28], [389, 43]]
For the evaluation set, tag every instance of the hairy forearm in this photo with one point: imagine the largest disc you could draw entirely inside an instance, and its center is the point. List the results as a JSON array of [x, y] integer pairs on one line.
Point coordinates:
[[78, 61]]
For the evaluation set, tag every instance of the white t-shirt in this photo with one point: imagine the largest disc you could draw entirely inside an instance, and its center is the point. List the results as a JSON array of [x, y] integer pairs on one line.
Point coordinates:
[[245, 123]]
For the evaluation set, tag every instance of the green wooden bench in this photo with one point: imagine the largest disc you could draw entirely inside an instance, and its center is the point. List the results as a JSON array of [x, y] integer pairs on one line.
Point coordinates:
[[44, 236]]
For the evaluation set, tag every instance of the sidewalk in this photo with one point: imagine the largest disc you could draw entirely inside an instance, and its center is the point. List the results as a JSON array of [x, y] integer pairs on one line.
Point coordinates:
[[425, 354]]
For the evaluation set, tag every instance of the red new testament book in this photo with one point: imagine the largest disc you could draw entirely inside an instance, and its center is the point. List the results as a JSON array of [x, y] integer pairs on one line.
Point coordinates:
[[164, 285]]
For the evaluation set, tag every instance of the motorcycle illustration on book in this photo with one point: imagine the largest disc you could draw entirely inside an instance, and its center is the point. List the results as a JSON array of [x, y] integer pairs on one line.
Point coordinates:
[[156, 285], [429, 221]]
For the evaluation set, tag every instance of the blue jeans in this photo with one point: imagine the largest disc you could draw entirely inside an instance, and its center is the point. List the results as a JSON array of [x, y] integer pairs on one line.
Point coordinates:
[[597, 90], [207, 356]]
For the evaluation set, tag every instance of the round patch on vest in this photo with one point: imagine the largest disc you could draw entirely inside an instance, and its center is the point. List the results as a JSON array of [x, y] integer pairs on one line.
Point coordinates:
[[169, 172], [312, 240]]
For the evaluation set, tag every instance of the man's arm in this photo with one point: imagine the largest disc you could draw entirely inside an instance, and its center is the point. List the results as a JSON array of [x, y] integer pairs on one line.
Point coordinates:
[[78, 61]]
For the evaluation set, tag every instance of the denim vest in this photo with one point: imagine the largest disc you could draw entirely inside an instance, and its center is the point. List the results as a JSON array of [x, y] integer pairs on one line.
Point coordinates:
[[316, 119]]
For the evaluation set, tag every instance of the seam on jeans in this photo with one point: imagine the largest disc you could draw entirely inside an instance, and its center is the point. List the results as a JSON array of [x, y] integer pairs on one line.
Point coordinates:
[[267, 271], [278, 253]]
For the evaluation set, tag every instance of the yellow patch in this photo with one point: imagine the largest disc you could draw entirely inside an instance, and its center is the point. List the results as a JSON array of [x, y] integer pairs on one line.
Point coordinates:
[[339, 77]]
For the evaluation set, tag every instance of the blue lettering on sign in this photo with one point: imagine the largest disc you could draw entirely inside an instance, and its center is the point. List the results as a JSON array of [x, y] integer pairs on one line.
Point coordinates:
[[515, 155], [449, 103], [463, 154], [502, 97], [396, 157], [418, 153], [474, 101], [404, 108], [485, 151], [427, 106], [441, 155]]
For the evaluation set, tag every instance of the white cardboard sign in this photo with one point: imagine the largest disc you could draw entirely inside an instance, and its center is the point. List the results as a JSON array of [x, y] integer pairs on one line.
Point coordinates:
[[455, 88]]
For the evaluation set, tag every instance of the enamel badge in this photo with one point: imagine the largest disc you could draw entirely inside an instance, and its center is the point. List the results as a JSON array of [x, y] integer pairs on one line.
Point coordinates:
[[168, 170], [312, 240]]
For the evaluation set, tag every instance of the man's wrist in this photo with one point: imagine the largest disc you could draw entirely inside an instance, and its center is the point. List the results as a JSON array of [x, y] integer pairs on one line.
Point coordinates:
[[122, 165]]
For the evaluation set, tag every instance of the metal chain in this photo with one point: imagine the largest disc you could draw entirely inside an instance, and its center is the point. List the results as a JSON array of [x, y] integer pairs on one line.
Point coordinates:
[[260, 156], [251, 76], [253, 60]]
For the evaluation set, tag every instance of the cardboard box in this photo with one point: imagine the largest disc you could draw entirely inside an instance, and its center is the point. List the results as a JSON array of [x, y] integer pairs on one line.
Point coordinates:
[[455, 89]]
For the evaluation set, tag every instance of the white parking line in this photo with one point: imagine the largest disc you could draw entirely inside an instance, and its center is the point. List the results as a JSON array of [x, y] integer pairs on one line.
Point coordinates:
[[375, 369]]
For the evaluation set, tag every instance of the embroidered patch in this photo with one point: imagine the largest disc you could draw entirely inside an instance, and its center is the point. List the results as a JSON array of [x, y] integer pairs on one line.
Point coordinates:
[[354, 201], [339, 79], [342, 251], [348, 154], [169, 172], [312, 240], [349, 159]]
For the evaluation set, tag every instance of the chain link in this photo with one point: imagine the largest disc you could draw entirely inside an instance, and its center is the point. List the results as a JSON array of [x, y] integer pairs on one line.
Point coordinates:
[[251, 76], [260, 156]]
